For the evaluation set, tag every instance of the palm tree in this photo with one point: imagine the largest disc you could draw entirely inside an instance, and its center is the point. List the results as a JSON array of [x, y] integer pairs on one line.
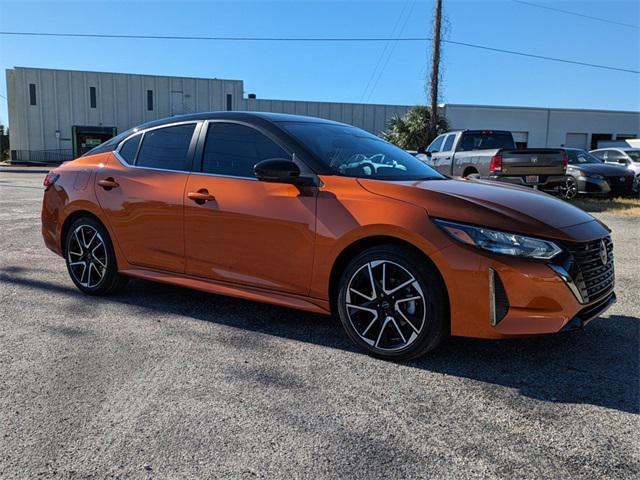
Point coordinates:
[[411, 131]]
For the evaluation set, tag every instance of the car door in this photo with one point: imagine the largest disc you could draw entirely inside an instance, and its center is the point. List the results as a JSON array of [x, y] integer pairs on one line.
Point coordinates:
[[241, 230], [434, 152], [444, 157], [141, 190]]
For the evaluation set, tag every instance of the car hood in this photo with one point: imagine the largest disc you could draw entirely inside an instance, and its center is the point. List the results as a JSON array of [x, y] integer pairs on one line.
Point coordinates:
[[493, 204], [601, 169]]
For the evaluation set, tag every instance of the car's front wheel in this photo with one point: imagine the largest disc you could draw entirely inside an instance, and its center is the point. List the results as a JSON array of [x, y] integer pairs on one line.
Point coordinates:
[[392, 304], [91, 261]]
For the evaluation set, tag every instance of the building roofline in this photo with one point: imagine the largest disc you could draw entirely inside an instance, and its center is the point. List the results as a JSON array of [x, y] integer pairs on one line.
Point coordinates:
[[516, 107], [125, 73]]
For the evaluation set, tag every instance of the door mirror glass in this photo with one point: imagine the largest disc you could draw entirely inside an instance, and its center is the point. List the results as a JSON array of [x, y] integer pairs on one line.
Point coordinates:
[[280, 170]]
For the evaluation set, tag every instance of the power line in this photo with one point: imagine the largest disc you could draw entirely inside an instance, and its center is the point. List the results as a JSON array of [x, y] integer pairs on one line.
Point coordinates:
[[568, 12], [384, 50], [393, 47], [318, 39], [542, 57]]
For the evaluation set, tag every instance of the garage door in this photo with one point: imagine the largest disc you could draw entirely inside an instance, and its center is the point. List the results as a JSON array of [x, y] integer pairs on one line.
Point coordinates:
[[576, 140]]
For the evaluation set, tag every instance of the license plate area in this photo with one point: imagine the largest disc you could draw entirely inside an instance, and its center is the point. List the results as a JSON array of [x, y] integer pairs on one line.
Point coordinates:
[[532, 179]]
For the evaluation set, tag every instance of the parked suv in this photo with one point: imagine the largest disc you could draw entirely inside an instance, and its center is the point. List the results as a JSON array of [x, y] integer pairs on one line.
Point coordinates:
[[492, 155], [629, 157]]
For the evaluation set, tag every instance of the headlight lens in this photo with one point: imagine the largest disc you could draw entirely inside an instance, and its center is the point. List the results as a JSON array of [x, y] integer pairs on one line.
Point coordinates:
[[500, 242], [593, 176]]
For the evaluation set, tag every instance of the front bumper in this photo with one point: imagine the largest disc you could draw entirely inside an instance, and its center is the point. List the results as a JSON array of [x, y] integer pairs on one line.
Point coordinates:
[[605, 187], [545, 182], [538, 300], [587, 314]]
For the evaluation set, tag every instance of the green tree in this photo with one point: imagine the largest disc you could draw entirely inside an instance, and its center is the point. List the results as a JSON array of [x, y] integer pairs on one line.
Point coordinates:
[[4, 143], [411, 131]]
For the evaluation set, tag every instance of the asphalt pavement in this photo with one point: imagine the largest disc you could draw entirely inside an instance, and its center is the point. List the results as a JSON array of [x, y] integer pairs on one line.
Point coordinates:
[[163, 382]]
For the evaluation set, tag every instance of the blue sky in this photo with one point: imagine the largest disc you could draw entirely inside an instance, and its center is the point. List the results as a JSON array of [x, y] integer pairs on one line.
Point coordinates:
[[342, 72]]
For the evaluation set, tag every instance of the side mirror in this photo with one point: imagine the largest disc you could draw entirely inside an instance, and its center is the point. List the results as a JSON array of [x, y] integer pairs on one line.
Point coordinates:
[[428, 153], [622, 161], [280, 170]]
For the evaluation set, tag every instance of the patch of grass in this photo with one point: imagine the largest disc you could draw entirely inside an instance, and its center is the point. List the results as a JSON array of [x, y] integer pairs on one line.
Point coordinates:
[[620, 205]]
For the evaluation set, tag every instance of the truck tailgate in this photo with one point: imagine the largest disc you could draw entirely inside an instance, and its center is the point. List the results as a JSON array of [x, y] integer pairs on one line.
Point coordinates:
[[529, 161]]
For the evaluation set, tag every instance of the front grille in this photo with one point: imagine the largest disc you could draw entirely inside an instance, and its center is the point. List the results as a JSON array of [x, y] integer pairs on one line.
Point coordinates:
[[592, 277], [620, 187]]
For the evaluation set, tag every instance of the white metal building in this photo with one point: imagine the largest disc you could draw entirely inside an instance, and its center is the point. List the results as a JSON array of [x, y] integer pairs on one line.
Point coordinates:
[[56, 114]]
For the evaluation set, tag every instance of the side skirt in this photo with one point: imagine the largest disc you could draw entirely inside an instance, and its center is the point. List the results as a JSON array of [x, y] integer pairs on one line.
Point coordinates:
[[247, 293]]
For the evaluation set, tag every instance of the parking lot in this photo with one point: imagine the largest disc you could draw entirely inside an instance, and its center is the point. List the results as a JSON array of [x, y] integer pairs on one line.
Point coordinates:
[[164, 382]]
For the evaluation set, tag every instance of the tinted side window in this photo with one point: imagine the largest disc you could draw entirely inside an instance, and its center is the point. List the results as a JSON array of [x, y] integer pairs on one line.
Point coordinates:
[[436, 144], [601, 154], [448, 144], [233, 149], [166, 148], [130, 148]]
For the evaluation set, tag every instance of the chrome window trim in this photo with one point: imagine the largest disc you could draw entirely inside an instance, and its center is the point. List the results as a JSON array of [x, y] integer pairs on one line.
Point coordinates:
[[116, 152]]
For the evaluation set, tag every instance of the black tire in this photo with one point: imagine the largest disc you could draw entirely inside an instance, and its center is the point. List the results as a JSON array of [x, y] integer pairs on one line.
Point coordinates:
[[84, 250], [396, 336], [473, 175]]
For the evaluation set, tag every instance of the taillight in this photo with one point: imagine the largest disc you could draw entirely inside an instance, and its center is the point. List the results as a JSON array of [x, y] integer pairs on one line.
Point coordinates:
[[565, 160], [496, 163], [50, 179]]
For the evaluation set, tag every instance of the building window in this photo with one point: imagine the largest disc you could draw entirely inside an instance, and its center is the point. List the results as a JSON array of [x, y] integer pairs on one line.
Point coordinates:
[[229, 102], [32, 94], [150, 100], [92, 97]]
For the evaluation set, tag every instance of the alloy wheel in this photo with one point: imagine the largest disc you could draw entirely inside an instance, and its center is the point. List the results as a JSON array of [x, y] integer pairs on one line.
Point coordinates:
[[385, 305], [87, 256], [570, 189]]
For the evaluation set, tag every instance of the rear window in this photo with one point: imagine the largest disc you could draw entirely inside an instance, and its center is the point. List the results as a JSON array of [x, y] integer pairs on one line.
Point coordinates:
[[485, 141], [166, 148]]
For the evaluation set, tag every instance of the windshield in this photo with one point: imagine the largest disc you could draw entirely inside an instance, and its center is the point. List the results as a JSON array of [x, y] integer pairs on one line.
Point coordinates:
[[580, 157], [485, 141], [352, 152], [634, 155]]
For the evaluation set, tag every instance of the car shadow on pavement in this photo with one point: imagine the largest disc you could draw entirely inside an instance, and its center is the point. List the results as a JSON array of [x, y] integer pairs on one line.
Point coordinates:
[[599, 365]]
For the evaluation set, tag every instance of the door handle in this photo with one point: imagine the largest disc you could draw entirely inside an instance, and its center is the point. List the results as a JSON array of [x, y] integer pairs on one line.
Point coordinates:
[[108, 183], [201, 196]]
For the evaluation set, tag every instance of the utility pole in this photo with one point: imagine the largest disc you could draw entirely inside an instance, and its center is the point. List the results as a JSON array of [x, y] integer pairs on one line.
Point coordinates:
[[435, 71]]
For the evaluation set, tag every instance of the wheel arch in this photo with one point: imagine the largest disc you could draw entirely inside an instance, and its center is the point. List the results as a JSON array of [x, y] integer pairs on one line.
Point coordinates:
[[362, 244], [470, 170], [72, 217]]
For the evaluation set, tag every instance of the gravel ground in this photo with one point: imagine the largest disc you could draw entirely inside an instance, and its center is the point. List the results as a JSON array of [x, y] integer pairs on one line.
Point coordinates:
[[164, 382]]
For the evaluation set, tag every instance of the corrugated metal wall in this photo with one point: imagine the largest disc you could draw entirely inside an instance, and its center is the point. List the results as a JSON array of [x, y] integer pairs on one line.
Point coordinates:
[[370, 117], [63, 100]]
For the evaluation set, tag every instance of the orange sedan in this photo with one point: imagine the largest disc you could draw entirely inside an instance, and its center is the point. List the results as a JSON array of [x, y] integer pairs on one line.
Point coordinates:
[[324, 217]]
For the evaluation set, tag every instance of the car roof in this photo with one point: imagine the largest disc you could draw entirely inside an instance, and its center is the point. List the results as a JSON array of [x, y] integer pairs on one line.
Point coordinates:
[[257, 118], [234, 115]]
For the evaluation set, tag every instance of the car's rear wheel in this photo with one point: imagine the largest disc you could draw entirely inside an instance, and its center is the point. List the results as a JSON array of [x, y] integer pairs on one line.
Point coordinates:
[[91, 261], [392, 304]]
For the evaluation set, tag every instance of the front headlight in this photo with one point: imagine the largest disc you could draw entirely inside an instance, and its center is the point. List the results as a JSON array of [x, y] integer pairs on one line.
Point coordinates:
[[592, 176], [500, 242]]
